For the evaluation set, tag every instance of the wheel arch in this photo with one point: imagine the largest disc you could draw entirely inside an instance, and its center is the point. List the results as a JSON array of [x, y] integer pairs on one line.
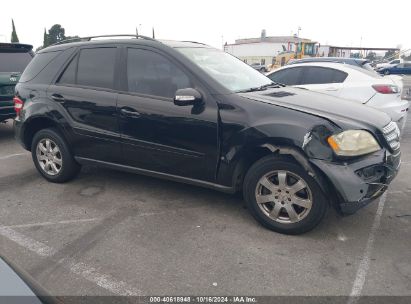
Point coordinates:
[[36, 124]]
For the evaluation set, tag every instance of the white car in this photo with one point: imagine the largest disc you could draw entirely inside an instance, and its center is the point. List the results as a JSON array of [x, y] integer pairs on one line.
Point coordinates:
[[387, 64], [349, 82]]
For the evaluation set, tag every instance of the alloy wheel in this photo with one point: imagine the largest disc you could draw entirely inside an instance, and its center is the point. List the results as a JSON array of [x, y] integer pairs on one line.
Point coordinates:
[[49, 156], [283, 196]]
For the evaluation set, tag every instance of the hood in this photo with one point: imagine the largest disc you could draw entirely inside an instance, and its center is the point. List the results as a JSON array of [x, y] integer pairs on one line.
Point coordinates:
[[338, 110]]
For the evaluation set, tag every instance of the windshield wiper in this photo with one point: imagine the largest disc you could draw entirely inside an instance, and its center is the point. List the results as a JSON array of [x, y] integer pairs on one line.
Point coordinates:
[[263, 87]]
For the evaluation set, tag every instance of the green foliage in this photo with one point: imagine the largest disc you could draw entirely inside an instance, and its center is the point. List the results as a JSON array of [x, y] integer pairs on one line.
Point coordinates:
[[371, 56], [14, 37], [56, 34], [389, 54]]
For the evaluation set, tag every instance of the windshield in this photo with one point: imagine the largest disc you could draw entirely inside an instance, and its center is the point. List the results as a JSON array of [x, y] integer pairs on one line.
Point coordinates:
[[226, 69], [14, 62]]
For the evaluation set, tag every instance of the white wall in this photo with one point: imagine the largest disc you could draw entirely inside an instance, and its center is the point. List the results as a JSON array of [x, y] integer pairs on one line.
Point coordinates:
[[261, 49]]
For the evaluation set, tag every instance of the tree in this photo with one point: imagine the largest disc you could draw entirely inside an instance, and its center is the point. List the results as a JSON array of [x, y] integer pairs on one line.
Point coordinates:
[[45, 39], [389, 54], [371, 56], [14, 37], [56, 34]]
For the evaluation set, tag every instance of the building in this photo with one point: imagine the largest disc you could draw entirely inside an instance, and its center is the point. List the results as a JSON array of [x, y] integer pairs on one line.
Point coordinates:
[[262, 50], [333, 51]]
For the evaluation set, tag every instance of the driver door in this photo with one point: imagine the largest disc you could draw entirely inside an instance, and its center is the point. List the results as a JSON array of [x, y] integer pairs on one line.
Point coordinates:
[[158, 135]]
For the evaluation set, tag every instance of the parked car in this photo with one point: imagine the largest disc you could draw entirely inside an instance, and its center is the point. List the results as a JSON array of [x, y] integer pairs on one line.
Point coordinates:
[[401, 69], [361, 63], [387, 64], [17, 286], [190, 113], [348, 82], [14, 57], [259, 67]]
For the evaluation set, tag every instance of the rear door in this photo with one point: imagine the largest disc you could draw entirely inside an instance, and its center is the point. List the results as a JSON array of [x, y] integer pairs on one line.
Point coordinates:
[[322, 79], [85, 89]]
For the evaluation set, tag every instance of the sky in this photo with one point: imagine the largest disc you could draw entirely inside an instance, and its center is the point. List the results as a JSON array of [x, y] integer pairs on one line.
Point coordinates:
[[342, 23]]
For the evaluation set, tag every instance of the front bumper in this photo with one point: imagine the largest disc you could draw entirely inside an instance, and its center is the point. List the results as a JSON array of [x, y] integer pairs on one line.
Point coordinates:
[[361, 182]]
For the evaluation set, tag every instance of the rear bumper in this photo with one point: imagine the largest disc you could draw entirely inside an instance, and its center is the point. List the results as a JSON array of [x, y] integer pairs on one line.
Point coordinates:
[[361, 182], [18, 133], [6, 108]]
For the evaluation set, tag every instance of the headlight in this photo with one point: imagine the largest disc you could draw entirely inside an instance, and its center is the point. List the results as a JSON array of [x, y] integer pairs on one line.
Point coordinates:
[[353, 143]]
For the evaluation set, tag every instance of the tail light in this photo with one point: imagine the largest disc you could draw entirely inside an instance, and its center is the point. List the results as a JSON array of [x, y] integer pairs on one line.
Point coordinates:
[[18, 104], [386, 88]]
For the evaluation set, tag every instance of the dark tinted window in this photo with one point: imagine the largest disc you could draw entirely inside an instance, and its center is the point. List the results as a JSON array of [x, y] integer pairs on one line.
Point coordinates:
[[289, 76], [39, 62], [14, 62], [96, 67], [69, 74], [152, 74], [319, 75]]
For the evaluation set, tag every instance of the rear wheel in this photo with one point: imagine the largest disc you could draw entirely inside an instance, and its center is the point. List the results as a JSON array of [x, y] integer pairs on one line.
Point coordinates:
[[52, 156], [387, 72], [283, 197]]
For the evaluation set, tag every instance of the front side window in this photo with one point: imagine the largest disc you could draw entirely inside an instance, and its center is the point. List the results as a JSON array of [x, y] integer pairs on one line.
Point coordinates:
[[320, 75], [290, 76], [227, 70], [96, 67], [150, 73]]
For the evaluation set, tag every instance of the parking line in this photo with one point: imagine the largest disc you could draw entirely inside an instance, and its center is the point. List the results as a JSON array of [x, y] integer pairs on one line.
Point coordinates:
[[26, 242], [365, 261], [54, 223], [11, 155], [87, 272]]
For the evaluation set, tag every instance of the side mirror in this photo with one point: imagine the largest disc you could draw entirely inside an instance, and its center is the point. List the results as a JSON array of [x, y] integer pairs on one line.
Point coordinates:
[[186, 97]]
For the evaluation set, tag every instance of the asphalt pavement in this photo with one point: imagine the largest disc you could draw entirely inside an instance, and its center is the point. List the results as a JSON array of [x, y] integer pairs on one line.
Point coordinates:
[[115, 233]]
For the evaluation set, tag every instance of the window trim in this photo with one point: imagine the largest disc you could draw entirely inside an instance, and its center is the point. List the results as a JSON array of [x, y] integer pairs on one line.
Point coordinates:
[[76, 56]]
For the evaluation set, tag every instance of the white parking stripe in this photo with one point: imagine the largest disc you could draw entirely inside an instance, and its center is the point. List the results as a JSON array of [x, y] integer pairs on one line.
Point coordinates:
[[12, 155], [26, 242], [87, 272], [365, 261], [54, 223]]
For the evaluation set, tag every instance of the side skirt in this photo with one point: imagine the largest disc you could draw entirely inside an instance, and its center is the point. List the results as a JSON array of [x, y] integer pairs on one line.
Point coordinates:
[[171, 177]]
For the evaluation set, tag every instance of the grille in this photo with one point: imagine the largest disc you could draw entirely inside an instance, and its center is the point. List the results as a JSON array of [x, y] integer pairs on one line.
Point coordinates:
[[392, 135]]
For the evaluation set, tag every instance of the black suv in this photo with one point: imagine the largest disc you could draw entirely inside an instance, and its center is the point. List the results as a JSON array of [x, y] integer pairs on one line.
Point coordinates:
[[187, 112], [14, 57]]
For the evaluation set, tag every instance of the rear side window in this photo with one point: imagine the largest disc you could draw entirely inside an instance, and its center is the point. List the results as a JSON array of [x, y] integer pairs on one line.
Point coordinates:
[[290, 76], [152, 74], [320, 75], [96, 67], [69, 74], [39, 62], [14, 62]]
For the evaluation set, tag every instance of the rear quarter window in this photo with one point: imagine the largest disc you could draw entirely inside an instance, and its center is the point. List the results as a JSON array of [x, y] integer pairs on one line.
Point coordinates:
[[39, 62]]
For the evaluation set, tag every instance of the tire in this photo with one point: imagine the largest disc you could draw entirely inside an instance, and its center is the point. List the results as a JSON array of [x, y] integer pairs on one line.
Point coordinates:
[[276, 213], [65, 167], [387, 72]]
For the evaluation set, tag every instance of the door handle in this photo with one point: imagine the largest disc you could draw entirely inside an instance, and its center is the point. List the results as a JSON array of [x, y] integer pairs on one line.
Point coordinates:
[[129, 113], [57, 97]]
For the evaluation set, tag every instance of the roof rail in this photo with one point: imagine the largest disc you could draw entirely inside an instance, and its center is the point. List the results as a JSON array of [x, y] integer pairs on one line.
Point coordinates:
[[89, 38], [194, 42]]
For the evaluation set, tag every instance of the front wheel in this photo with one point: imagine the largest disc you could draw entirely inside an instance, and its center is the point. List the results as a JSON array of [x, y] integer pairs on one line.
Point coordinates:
[[52, 156], [283, 197], [387, 72]]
